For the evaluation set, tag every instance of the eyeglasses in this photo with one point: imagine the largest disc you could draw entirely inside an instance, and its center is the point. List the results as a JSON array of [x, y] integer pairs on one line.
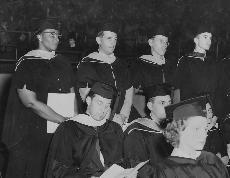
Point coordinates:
[[54, 34], [162, 41]]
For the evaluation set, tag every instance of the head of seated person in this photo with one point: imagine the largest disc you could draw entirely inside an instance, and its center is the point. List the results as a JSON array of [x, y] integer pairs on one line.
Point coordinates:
[[158, 97]]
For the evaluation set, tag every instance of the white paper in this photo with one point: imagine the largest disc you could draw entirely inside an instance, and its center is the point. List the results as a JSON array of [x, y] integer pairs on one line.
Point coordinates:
[[115, 170], [61, 103]]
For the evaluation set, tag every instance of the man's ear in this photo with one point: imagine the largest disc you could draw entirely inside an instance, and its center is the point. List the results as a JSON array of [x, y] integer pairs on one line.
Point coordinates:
[[39, 37], [150, 41], [88, 100], [98, 40], [195, 40], [149, 105]]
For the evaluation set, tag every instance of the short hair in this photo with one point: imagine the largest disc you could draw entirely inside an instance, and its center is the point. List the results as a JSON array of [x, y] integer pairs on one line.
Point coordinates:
[[172, 131]]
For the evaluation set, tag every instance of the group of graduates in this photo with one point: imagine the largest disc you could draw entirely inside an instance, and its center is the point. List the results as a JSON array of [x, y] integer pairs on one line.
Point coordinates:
[[65, 122]]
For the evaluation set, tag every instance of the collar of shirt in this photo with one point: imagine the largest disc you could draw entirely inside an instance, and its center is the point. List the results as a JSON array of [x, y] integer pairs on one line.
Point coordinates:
[[153, 59], [88, 120], [41, 53], [109, 59], [197, 55]]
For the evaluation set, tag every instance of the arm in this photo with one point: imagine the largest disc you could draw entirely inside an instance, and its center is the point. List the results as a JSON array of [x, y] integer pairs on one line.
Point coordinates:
[[125, 110], [75, 101], [29, 99]]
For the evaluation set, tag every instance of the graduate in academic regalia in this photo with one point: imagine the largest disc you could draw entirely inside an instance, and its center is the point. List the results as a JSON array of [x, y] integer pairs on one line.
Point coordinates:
[[86, 145], [143, 138], [38, 73], [197, 73], [187, 133], [149, 69], [104, 66]]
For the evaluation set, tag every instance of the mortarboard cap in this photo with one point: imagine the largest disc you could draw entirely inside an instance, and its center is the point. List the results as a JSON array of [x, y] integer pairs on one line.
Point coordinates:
[[108, 26], [46, 24], [157, 90], [188, 108], [202, 28], [104, 90], [163, 30]]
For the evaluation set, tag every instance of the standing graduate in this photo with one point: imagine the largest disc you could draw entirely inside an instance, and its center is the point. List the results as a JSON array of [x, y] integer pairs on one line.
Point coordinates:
[[197, 73], [38, 75], [187, 133], [149, 69], [143, 138], [86, 145], [104, 66]]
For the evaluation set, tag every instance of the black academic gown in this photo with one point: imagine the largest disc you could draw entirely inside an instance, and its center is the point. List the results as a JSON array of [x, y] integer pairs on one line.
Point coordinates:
[[215, 142], [195, 77], [74, 150], [24, 132], [143, 142], [207, 165], [116, 74]]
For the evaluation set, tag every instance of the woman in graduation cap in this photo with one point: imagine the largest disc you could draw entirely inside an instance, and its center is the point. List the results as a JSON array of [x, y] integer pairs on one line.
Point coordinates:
[[187, 133], [104, 66], [86, 145], [39, 74], [149, 68], [143, 138]]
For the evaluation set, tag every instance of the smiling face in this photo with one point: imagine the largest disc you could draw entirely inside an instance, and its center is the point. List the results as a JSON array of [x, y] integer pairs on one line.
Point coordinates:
[[98, 107], [48, 39], [195, 133], [107, 42]]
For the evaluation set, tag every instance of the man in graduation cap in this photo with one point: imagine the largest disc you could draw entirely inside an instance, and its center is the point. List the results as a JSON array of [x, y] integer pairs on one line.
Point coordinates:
[[196, 73], [87, 144], [104, 66], [187, 133], [143, 138], [150, 68], [39, 74]]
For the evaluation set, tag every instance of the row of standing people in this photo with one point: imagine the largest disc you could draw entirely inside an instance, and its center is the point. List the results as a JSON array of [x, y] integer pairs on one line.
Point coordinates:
[[40, 73]]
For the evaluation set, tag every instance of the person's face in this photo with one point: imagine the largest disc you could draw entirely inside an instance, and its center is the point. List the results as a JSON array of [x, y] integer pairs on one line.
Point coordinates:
[[98, 107], [49, 39], [107, 42], [195, 133], [157, 106], [159, 44], [203, 40]]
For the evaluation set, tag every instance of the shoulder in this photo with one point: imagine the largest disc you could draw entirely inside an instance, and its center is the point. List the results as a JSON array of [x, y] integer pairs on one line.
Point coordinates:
[[208, 158]]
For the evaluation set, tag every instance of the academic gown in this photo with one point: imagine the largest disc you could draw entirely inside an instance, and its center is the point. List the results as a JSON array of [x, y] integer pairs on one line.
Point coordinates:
[[146, 71], [142, 141], [207, 165], [215, 142], [74, 152], [24, 132], [91, 69], [196, 75]]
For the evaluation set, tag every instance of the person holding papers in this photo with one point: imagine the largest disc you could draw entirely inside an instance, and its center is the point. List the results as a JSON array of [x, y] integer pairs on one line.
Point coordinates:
[[89, 143], [187, 133], [143, 138], [41, 77]]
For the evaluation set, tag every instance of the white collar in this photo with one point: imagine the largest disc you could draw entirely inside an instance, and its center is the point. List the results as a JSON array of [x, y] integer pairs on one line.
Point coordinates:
[[109, 59], [154, 59], [41, 53], [181, 153], [146, 122], [87, 120]]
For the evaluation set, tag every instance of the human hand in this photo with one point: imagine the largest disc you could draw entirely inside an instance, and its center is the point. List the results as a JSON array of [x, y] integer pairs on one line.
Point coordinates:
[[120, 119]]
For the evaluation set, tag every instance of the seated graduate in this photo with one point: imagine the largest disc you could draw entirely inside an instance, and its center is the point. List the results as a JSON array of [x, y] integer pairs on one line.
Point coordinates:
[[215, 141], [187, 133], [143, 138], [87, 144]]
